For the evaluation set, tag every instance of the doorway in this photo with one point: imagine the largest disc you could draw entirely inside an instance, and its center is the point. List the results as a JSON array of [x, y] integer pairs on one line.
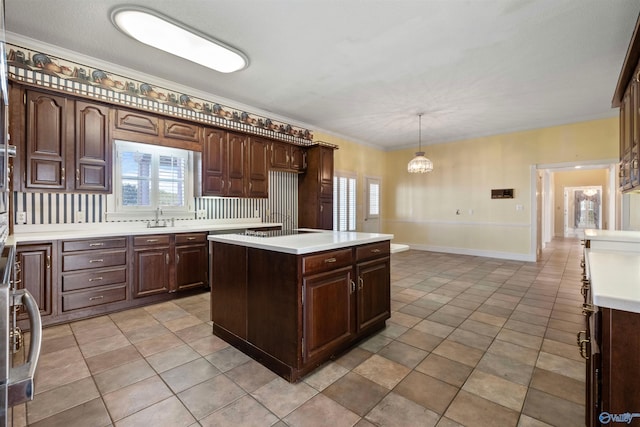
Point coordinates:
[[582, 209]]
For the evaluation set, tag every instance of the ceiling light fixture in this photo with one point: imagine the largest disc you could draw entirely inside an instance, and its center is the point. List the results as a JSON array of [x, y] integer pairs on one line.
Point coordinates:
[[161, 32], [420, 164]]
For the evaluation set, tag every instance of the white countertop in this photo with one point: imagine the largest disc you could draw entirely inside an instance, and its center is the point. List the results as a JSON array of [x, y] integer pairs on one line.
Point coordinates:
[[305, 243], [612, 235], [112, 229], [615, 279]]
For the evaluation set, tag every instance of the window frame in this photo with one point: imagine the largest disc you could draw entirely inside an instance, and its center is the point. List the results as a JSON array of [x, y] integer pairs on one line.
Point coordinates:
[[115, 209]]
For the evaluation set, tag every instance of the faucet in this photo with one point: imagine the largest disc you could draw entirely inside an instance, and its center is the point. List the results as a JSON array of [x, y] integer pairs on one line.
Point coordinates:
[[158, 213]]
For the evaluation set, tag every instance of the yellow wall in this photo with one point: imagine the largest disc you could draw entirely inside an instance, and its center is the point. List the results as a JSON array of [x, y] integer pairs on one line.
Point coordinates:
[[420, 210]]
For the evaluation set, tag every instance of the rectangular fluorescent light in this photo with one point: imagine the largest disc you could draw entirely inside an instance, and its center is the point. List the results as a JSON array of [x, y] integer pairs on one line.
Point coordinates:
[[168, 35]]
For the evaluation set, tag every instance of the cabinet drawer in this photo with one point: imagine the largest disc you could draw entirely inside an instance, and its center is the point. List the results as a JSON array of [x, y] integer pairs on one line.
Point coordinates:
[[188, 238], [373, 250], [94, 259], [326, 261], [181, 130], [83, 245], [152, 240], [91, 278], [91, 298]]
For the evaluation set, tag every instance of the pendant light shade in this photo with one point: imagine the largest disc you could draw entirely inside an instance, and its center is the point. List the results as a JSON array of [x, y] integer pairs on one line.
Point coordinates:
[[420, 164]]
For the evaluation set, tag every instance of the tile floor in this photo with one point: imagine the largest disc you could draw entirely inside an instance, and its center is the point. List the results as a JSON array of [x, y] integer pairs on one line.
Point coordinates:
[[472, 341]]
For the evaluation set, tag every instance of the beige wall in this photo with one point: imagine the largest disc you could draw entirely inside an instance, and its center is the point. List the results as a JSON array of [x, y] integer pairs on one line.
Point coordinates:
[[578, 178], [420, 210]]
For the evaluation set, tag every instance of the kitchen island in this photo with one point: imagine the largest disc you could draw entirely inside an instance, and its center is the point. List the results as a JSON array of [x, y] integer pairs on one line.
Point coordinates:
[[293, 299]]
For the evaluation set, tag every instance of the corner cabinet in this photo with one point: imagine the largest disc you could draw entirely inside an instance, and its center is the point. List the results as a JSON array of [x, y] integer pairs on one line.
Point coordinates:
[[315, 189], [66, 143], [294, 312]]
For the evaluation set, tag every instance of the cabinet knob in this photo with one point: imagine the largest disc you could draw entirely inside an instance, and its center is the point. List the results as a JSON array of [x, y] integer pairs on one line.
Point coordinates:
[[360, 283], [78, 175]]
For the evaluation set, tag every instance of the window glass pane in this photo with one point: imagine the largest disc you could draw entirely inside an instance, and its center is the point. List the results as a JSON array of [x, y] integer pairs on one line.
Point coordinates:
[[134, 164], [136, 192], [343, 203], [374, 199], [171, 173]]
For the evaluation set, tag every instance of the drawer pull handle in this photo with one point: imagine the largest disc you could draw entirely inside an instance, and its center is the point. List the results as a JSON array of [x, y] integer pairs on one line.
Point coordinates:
[[95, 279], [330, 260], [152, 240], [360, 283], [375, 251], [91, 261], [579, 337], [96, 298], [191, 238], [96, 244]]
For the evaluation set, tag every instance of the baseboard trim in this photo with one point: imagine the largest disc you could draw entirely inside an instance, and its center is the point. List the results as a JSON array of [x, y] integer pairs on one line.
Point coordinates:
[[473, 252]]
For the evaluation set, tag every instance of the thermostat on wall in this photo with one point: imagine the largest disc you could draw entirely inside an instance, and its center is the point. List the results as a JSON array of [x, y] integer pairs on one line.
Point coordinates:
[[503, 193]]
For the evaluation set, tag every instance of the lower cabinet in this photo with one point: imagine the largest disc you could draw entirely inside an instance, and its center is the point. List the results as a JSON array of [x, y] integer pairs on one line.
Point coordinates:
[[191, 261], [374, 298], [77, 278], [93, 273], [151, 264], [34, 272], [328, 313]]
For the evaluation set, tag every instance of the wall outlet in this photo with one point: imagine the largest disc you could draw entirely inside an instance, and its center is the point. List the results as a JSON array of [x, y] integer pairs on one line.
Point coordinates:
[[256, 214], [519, 207], [79, 216], [202, 213], [21, 217]]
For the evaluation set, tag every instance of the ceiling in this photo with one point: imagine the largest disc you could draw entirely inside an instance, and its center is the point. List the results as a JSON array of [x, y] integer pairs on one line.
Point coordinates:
[[363, 70]]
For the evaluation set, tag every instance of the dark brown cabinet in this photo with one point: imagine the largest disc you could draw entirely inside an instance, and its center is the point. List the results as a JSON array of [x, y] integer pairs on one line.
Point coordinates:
[[234, 165], [151, 265], [627, 97], [67, 144], [34, 272], [373, 273], [328, 312], [92, 148], [294, 312], [223, 163], [191, 261], [137, 126], [93, 273], [288, 157], [258, 170], [315, 189]]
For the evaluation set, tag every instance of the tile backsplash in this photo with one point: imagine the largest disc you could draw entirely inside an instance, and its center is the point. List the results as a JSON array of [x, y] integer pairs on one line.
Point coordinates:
[[62, 208]]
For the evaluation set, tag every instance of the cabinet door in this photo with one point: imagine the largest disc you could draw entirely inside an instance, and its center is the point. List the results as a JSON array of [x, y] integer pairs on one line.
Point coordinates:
[[374, 303], [191, 266], [137, 122], [279, 155], [298, 158], [93, 147], [33, 273], [326, 214], [183, 131], [49, 137], [326, 172], [151, 271], [213, 162], [327, 312], [236, 165], [258, 169]]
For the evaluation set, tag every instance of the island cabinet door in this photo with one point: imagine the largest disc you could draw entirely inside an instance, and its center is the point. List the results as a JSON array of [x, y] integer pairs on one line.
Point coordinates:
[[327, 312], [374, 301]]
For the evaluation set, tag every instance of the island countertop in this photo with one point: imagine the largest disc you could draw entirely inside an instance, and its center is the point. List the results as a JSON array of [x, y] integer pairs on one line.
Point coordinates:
[[615, 279], [304, 243]]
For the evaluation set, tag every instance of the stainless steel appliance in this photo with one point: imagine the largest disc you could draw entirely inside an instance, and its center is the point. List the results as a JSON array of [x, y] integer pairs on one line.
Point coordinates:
[[16, 382]]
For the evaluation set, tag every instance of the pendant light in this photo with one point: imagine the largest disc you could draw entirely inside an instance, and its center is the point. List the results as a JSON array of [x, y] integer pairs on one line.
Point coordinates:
[[420, 164]]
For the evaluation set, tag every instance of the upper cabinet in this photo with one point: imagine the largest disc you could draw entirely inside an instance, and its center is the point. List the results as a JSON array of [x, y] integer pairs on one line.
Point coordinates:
[[66, 143], [234, 164], [627, 97], [288, 157], [315, 190]]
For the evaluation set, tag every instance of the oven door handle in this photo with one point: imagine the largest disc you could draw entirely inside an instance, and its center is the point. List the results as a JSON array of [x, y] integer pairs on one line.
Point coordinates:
[[20, 384]]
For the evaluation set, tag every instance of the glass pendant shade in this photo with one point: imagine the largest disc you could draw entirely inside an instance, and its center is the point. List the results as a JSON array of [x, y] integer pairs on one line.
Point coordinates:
[[420, 164]]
